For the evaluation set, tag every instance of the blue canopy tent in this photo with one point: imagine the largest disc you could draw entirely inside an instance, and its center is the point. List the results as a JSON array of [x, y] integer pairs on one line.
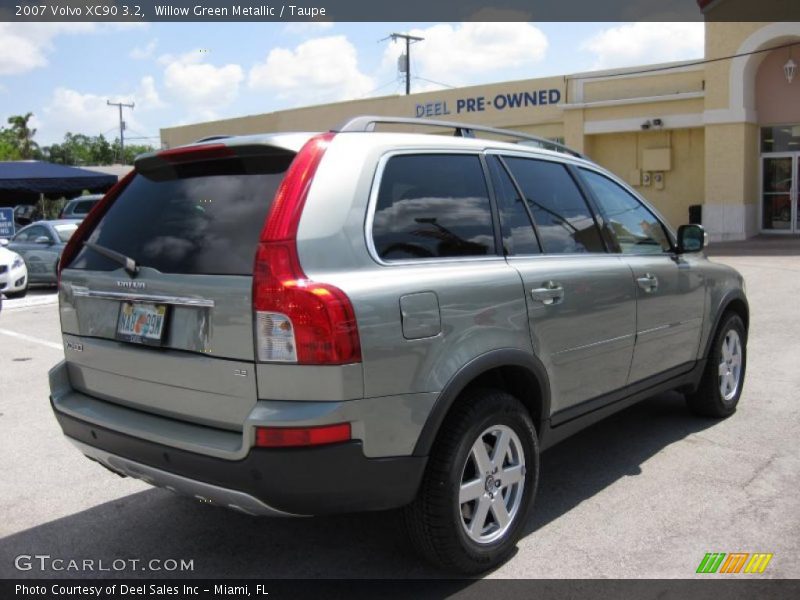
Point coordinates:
[[22, 182]]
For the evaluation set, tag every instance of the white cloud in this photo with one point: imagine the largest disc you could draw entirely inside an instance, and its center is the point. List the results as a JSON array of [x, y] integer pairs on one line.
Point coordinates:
[[468, 52], [146, 95], [199, 86], [644, 43], [319, 70], [26, 46], [143, 52]]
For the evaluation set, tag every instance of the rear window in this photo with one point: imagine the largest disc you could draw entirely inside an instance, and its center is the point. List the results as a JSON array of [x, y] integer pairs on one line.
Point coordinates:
[[432, 206], [191, 218], [83, 208]]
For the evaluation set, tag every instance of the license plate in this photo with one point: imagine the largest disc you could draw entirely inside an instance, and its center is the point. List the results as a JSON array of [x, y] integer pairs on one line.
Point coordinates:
[[141, 322]]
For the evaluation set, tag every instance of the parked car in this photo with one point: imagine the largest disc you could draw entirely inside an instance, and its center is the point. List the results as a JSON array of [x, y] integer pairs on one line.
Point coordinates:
[[40, 245], [25, 214], [408, 323], [79, 207], [13, 274]]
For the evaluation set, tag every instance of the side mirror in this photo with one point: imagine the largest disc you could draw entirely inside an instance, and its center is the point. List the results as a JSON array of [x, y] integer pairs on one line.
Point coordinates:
[[3, 242], [43, 239], [691, 238]]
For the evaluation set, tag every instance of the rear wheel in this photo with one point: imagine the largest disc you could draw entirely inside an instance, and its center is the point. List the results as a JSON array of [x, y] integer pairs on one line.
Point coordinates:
[[721, 385], [479, 484]]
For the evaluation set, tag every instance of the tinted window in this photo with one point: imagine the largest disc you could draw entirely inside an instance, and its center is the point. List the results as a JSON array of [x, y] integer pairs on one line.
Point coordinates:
[[432, 205], [563, 219], [634, 228], [190, 218], [515, 222], [83, 208]]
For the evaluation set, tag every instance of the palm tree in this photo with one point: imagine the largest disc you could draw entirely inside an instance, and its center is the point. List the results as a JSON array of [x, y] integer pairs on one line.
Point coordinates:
[[23, 135]]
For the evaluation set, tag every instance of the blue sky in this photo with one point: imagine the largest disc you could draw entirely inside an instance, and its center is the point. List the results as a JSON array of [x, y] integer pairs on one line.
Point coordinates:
[[179, 73]]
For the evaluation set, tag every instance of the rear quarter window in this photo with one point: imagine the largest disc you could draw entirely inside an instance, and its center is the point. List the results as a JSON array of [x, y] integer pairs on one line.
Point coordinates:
[[432, 206]]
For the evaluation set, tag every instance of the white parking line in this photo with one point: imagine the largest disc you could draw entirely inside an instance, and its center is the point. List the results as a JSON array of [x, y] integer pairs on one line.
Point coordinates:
[[30, 338]]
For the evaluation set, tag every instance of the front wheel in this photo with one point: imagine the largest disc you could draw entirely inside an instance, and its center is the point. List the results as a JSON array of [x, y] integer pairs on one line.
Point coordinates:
[[479, 485], [721, 386]]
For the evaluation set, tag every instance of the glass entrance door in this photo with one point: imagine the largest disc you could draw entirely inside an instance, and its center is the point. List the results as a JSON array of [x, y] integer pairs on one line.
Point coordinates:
[[779, 193]]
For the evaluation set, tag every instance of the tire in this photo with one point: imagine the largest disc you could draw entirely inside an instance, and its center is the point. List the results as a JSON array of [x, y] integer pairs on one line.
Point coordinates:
[[721, 385], [437, 523]]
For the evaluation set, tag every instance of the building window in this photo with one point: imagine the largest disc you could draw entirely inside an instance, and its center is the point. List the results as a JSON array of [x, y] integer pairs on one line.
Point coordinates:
[[780, 138]]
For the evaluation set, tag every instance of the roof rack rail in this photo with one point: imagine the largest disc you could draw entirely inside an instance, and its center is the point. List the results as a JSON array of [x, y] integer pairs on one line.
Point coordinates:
[[367, 123]]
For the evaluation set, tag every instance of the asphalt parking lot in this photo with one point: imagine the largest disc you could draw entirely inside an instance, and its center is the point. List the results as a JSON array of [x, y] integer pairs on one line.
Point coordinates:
[[644, 494]]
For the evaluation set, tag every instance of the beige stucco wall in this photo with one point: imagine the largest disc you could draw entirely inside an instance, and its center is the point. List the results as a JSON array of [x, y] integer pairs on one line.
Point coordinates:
[[777, 100], [723, 39], [657, 84], [645, 110]]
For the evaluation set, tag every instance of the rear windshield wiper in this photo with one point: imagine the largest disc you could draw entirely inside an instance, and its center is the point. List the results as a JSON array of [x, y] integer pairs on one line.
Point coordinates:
[[126, 261]]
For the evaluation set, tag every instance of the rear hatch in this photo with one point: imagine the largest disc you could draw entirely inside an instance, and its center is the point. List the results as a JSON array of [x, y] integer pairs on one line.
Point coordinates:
[[173, 335]]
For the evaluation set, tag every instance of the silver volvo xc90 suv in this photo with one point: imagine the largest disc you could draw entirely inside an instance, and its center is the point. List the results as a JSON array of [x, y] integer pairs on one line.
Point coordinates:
[[301, 324]]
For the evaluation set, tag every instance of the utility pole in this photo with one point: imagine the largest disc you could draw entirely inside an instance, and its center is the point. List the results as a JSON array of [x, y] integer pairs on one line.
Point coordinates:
[[121, 127], [410, 39]]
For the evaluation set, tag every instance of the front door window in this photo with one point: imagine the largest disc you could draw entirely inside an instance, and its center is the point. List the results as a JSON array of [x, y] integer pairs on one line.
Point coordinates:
[[780, 178], [777, 190]]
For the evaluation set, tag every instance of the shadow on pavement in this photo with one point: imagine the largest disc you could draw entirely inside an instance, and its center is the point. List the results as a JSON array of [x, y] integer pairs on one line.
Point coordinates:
[[596, 457], [157, 524]]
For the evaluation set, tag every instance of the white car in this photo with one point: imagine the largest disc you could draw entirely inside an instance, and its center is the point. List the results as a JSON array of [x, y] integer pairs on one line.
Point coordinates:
[[13, 274]]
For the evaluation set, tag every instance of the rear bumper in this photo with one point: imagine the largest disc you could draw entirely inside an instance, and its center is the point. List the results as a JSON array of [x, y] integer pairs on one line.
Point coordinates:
[[299, 481]]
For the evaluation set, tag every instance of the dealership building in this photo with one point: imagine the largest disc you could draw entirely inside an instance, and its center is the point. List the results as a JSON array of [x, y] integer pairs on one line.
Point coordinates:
[[718, 138]]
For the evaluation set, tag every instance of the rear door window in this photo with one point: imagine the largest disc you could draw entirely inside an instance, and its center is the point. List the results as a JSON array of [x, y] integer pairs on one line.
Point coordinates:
[[516, 226], [563, 219], [190, 218], [433, 206]]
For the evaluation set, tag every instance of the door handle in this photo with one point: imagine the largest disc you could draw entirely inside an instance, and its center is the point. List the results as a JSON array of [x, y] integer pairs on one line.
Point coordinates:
[[550, 293], [648, 282]]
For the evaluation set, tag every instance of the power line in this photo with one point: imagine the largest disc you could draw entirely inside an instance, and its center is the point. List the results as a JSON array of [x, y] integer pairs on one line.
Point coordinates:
[[121, 127], [380, 87], [705, 61], [452, 87]]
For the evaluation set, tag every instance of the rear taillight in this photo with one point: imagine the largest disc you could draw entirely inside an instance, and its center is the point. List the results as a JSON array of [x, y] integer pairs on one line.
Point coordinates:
[[298, 320], [283, 437], [91, 220]]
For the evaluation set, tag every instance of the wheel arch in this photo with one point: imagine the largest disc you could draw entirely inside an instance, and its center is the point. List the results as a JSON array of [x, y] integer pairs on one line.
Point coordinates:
[[509, 369], [734, 301]]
